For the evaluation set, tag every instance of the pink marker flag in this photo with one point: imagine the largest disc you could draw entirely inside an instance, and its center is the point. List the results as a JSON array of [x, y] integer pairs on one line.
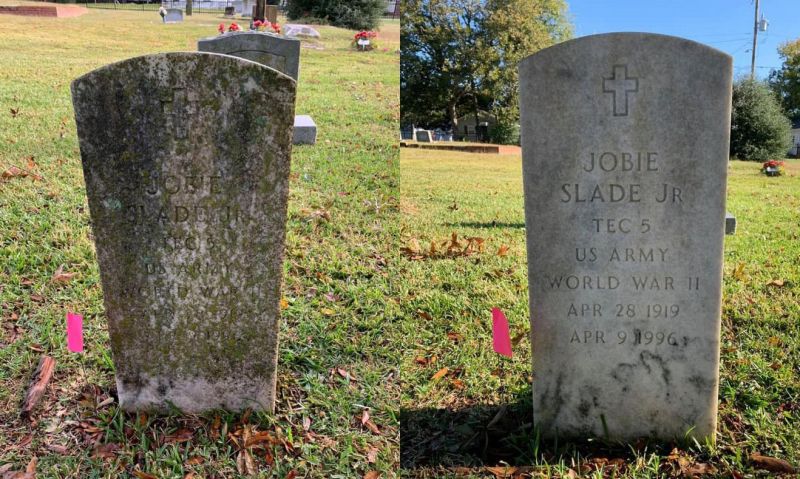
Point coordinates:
[[75, 332], [500, 336]]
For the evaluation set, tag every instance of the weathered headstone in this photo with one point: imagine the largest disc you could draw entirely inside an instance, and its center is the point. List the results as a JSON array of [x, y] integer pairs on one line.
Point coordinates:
[[295, 30], [424, 136], [305, 130], [271, 13], [280, 53], [187, 185], [730, 224], [625, 152], [174, 15]]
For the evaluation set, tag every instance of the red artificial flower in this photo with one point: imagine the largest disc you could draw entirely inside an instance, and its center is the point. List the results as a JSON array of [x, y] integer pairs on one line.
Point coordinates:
[[221, 28], [234, 27], [276, 28], [258, 23]]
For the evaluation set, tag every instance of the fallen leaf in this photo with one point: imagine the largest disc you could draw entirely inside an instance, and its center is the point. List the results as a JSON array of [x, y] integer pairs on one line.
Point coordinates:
[[456, 337], [457, 383], [14, 112], [372, 475], [182, 435], [372, 455], [776, 282], [738, 271], [292, 474], [372, 427], [38, 298], [503, 250], [425, 315], [259, 438], [772, 464], [343, 373], [61, 277], [105, 451], [328, 312], [14, 172], [143, 475], [194, 460], [440, 374], [284, 303], [364, 416], [306, 423]]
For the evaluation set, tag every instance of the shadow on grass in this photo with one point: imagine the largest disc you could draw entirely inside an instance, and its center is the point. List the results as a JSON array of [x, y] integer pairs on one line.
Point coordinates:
[[490, 224], [439, 442]]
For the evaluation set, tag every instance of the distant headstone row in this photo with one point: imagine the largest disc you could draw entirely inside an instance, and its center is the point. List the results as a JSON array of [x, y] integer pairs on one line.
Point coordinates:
[[625, 150]]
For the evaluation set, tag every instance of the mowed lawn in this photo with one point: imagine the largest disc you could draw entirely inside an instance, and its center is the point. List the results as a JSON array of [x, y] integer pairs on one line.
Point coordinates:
[[337, 411], [465, 408]]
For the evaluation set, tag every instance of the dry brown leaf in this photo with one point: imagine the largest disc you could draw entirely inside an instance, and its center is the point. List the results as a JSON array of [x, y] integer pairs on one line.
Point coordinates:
[[372, 475], [738, 271], [440, 374], [364, 416], [503, 250], [14, 172], [306, 423], [144, 475], [501, 472], [284, 303], [372, 427], [776, 282], [38, 298], [194, 460], [372, 455], [291, 475], [772, 464], [181, 435], [425, 315], [61, 277], [456, 337], [259, 438], [457, 383], [14, 112]]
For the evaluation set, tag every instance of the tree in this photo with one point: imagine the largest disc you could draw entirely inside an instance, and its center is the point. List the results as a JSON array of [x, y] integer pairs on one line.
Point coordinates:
[[785, 83], [459, 56], [518, 28], [443, 60], [353, 14], [759, 129]]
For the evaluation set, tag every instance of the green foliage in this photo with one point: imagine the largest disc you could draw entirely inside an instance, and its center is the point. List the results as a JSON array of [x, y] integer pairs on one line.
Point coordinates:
[[353, 14], [785, 83], [759, 129], [460, 56], [504, 133]]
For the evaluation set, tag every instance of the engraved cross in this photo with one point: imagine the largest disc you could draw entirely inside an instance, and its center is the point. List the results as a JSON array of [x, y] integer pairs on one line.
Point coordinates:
[[620, 85], [179, 107]]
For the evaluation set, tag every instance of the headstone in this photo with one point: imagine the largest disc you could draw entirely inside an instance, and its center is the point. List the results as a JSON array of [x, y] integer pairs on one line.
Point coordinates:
[[624, 176], [305, 130], [730, 224], [187, 186], [174, 15], [424, 136], [230, 11], [274, 51], [295, 30], [280, 53]]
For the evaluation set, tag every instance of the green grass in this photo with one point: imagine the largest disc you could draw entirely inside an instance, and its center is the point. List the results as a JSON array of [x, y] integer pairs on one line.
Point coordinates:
[[335, 280], [479, 413]]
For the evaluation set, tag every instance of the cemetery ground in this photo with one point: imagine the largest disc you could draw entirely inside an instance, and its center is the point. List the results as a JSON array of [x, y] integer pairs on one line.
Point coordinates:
[[338, 380], [466, 411]]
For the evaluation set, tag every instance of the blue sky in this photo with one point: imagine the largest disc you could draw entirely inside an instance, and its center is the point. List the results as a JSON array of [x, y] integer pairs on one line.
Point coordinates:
[[726, 25]]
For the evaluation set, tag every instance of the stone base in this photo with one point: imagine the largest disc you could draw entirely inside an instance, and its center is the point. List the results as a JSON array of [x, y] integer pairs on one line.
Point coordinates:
[[195, 395], [730, 224], [305, 130]]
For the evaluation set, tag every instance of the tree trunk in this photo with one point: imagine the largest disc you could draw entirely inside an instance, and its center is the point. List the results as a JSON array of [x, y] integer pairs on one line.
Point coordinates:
[[188, 7]]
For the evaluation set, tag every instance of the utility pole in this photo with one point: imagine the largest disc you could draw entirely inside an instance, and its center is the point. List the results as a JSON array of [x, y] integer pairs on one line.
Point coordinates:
[[755, 37]]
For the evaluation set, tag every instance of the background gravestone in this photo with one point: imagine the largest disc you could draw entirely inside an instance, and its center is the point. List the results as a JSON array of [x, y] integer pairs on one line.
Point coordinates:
[[280, 53], [187, 187], [174, 15], [625, 152]]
